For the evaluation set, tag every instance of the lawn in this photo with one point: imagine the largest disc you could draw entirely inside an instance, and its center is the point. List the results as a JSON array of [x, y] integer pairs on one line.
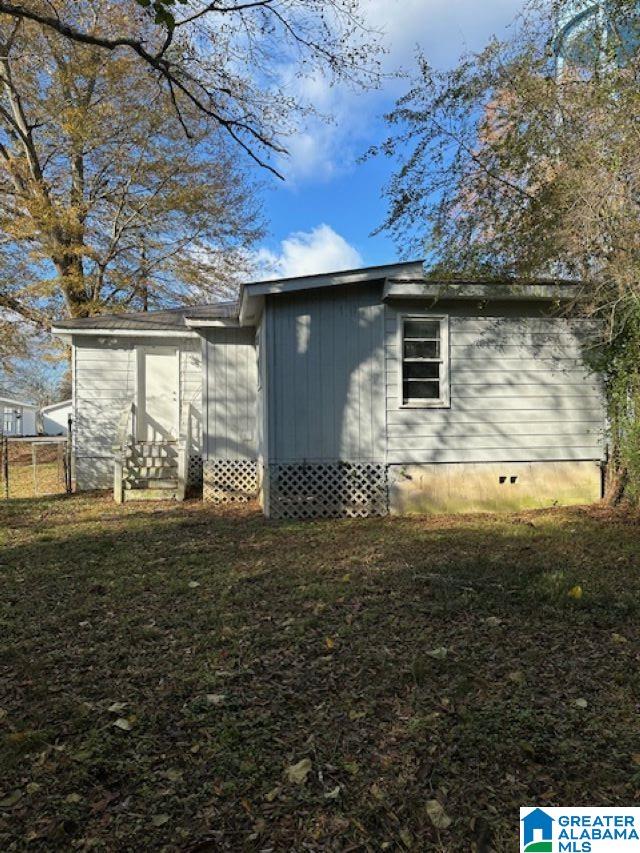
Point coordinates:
[[189, 678], [24, 481]]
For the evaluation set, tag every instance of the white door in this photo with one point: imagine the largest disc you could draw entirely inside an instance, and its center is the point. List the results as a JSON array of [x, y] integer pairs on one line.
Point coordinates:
[[157, 394]]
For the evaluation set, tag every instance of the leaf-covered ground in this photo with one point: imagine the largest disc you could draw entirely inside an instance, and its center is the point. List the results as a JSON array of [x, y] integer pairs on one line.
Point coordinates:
[[186, 678]]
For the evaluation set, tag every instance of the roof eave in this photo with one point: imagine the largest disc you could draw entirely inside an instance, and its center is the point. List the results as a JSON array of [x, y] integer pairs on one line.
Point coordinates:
[[212, 322], [491, 292], [67, 333], [20, 403], [408, 269]]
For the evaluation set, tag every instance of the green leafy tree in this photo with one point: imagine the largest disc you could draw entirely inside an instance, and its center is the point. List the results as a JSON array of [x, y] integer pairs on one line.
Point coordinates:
[[518, 163]]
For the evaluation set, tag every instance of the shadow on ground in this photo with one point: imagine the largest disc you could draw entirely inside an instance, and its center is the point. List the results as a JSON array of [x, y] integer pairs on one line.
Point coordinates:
[[162, 666]]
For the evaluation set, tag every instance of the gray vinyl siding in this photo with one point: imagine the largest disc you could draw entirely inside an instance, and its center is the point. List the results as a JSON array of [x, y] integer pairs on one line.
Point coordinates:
[[104, 380], [261, 406], [520, 392], [230, 389], [325, 375]]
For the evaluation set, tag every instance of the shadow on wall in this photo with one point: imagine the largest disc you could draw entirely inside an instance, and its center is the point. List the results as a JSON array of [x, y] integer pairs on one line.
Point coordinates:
[[326, 385], [519, 393]]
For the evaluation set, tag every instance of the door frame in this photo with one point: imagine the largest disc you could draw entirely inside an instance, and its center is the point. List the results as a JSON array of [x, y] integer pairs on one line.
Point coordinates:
[[141, 351]]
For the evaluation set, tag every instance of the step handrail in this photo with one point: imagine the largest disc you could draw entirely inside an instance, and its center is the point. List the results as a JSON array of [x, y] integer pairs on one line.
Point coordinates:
[[124, 437], [184, 448]]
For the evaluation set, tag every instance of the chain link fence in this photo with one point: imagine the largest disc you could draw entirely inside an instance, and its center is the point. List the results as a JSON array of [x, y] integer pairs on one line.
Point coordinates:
[[34, 467]]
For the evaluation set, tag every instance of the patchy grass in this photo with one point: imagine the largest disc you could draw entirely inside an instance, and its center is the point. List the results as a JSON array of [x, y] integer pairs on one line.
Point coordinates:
[[162, 666]]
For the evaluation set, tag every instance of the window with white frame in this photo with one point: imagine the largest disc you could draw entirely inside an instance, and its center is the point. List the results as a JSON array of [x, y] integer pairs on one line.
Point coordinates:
[[424, 347]]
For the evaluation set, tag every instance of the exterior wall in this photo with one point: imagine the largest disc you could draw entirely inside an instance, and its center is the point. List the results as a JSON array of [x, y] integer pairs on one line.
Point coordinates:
[[523, 405], [520, 392], [491, 486], [17, 420], [29, 421], [55, 418], [325, 376], [104, 382], [230, 383], [231, 412]]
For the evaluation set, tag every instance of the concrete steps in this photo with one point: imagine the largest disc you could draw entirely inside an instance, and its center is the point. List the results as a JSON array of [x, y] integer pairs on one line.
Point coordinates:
[[151, 494]]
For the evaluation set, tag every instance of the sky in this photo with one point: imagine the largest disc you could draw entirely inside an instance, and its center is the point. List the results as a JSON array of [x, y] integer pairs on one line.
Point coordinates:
[[322, 217]]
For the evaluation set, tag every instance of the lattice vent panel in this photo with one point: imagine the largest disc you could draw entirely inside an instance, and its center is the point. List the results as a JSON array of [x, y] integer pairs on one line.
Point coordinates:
[[333, 490], [230, 480], [194, 472]]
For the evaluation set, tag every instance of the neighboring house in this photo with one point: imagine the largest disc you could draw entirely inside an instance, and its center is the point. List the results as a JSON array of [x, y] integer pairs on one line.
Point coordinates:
[[54, 418], [350, 393], [18, 417]]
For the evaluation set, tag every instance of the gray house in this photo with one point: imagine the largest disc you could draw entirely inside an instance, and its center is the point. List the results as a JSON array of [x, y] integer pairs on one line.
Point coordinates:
[[344, 394]]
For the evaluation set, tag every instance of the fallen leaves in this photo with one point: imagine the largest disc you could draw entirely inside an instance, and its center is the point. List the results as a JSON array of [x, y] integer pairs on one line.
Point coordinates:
[[297, 774], [124, 724], [247, 726], [11, 800], [437, 815], [440, 653]]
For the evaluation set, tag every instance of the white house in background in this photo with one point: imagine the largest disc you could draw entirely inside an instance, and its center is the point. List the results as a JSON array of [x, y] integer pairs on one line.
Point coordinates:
[[18, 417], [55, 418], [343, 394]]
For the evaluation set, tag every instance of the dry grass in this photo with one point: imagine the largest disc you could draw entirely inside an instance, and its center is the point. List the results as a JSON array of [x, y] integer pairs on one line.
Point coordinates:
[[48, 478], [162, 666]]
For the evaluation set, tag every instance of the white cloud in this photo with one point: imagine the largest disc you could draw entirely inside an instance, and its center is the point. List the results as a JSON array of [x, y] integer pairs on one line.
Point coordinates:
[[441, 29], [306, 253]]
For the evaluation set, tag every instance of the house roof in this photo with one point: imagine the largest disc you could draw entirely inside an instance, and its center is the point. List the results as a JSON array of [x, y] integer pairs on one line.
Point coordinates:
[[169, 319], [8, 401], [404, 279], [400, 270], [59, 405]]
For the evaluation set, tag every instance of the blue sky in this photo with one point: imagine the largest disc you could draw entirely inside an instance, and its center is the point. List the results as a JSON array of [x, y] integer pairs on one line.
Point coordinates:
[[322, 217]]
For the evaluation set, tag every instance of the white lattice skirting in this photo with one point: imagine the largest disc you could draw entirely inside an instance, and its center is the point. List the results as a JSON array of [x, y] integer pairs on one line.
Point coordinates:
[[230, 480], [194, 472], [327, 490]]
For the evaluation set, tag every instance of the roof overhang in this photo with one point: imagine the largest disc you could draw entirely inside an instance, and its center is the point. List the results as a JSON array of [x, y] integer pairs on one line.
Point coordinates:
[[67, 333], [253, 295], [53, 406], [212, 323], [20, 403], [490, 292]]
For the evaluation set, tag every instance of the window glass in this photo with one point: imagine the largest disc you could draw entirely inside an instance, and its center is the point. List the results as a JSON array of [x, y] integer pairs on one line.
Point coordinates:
[[423, 364]]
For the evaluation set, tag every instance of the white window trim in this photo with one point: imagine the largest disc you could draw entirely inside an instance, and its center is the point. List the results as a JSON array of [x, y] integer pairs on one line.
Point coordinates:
[[444, 401]]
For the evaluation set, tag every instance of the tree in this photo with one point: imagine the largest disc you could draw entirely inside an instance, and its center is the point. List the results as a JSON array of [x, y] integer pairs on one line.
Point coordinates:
[[104, 202], [224, 58], [518, 164]]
